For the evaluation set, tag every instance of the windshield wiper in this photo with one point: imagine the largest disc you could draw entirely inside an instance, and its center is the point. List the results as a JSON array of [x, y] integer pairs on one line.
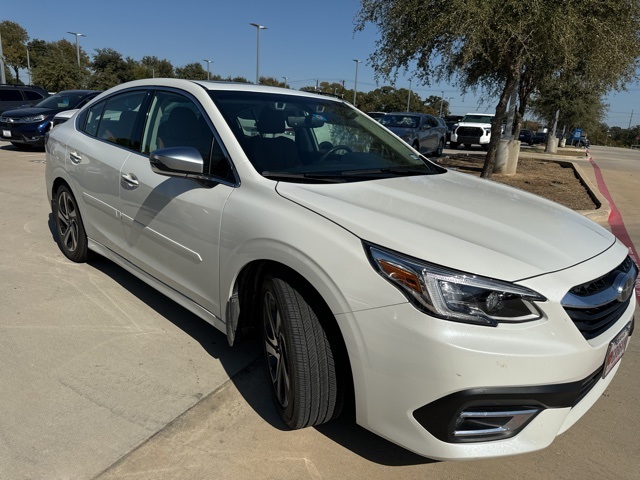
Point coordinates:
[[416, 170], [319, 177]]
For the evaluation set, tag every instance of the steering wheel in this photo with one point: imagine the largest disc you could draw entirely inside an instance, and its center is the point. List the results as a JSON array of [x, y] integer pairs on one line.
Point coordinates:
[[333, 150]]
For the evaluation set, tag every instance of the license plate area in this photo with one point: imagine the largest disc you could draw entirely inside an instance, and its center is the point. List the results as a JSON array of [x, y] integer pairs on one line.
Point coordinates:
[[616, 349]]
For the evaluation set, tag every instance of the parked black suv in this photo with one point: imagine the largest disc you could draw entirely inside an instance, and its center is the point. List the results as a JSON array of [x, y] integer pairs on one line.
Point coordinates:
[[14, 96]]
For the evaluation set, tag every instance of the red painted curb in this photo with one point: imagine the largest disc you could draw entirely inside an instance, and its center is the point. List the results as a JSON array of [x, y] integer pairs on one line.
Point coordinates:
[[615, 220]]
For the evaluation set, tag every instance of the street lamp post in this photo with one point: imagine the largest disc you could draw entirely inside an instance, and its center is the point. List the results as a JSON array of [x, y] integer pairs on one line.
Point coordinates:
[[208, 70], [409, 96], [28, 64], [355, 86], [285, 81], [3, 78], [77, 45], [258, 28]]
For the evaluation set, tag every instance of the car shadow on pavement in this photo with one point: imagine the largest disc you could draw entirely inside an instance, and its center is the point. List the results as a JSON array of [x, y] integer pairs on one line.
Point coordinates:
[[249, 377]]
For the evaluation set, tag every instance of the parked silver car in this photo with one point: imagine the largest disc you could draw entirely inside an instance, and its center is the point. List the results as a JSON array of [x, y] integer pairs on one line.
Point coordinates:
[[424, 132]]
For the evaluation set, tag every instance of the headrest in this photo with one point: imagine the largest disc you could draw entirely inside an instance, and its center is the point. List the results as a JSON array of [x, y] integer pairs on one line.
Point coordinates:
[[271, 121]]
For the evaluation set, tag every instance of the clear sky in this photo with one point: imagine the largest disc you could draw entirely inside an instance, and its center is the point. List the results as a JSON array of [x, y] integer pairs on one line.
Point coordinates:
[[305, 40]]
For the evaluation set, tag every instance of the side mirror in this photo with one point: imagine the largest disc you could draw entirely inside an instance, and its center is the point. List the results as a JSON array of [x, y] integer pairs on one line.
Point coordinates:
[[177, 161]]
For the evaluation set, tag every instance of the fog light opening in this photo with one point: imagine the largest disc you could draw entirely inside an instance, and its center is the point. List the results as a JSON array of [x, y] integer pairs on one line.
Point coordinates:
[[492, 423]]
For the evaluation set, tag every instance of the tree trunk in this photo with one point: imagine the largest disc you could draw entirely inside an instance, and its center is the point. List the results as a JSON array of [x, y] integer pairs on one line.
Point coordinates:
[[496, 126]]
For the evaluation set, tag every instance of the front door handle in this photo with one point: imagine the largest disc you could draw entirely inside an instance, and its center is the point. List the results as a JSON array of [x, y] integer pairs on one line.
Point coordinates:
[[130, 179]]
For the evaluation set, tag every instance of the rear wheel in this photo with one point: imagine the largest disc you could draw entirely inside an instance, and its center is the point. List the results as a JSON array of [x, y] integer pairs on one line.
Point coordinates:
[[72, 238], [438, 152], [300, 362], [453, 145]]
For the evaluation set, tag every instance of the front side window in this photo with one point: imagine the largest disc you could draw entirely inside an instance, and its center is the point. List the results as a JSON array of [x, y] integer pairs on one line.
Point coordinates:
[[307, 139], [176, 121]]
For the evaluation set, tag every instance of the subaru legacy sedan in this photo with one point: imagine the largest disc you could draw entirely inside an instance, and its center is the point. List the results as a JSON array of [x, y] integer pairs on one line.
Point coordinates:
[[460, 318]]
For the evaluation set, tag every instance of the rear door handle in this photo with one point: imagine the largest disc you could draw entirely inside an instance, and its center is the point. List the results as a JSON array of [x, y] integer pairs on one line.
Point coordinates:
[[130, 179], [75, 158]]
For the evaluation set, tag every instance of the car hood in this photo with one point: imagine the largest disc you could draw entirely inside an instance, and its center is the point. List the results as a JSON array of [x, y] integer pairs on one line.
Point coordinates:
[[460, 222], [30, 112]]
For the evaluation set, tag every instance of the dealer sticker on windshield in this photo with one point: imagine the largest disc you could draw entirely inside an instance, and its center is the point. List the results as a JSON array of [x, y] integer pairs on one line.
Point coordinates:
[[616, 350]]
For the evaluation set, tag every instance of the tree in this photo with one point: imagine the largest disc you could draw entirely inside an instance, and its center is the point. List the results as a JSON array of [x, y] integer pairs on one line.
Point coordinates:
[[153, 67], [110, 69], [192, 71], [54, 65], [14, 46], [497, 46]]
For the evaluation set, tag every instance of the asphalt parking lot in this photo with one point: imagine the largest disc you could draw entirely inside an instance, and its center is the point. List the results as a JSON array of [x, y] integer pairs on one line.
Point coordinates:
[[104, 378]]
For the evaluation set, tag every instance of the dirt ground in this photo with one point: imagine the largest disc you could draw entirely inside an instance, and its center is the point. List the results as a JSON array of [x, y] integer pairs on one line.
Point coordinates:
[[546, 178]]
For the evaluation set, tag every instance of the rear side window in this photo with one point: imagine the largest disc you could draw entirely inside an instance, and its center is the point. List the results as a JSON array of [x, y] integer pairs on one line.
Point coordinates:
[[119, 118], [31, 95], [10, 95]]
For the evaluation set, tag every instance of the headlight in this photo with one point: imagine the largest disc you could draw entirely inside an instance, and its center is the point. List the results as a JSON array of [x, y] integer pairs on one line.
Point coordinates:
[[487, 131], [37, 118], [455, 295]]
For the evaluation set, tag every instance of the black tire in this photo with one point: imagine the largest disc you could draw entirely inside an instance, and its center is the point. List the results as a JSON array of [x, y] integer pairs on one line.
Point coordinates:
[[299, 360], [72, 238], [454, 145], [438, 151], [467, 146], [485, 147]]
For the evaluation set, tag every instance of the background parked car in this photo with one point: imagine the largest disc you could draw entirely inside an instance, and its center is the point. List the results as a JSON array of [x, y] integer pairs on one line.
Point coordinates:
[[27, 126], [376, 115], [450, 121], [14, 96], [526, 136], [424, 132], [539, 138]]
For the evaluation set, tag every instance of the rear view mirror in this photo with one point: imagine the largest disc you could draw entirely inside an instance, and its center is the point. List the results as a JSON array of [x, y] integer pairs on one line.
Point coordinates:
[[310, 121]]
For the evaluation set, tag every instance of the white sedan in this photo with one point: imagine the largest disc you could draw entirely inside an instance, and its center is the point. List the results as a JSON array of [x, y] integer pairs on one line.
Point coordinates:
[[463, 318]]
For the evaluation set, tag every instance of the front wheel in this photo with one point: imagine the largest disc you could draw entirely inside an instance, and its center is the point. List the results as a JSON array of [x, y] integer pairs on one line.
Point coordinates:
[[438, 152], [72, 238], [300, 363]]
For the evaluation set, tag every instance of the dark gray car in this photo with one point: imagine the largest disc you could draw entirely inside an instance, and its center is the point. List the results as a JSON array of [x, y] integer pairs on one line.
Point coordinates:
[[422, 131]]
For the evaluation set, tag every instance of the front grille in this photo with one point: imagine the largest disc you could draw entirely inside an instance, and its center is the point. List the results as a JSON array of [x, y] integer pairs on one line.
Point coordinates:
[[596, 305], [469, 131]]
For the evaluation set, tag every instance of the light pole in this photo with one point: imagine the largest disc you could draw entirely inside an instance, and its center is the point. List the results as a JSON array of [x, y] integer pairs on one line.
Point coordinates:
[[28, 64], [77, 45], [285, 81], [258, 28], [355, 86], [442, 100], [409, 96], [208, 71], [3, 78]]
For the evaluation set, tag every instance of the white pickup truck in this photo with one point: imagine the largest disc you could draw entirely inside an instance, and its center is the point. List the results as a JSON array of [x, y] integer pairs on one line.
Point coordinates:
[[473, 129]]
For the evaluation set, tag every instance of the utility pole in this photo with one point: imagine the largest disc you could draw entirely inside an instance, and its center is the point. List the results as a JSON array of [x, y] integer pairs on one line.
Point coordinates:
[[409, 96], [441, 103]]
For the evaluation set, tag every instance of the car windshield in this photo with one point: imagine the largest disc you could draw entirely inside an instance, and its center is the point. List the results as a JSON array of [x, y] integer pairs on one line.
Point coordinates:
[[304, 139], [478, 118], [61, 100], [401, 121]]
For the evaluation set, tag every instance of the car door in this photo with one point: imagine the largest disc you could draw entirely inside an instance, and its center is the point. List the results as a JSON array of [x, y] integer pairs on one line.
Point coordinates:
[[172, 224], [95, 155]]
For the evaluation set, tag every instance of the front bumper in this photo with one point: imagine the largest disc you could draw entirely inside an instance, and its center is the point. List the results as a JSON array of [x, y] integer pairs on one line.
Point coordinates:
[[27, 134], [417, 373]]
